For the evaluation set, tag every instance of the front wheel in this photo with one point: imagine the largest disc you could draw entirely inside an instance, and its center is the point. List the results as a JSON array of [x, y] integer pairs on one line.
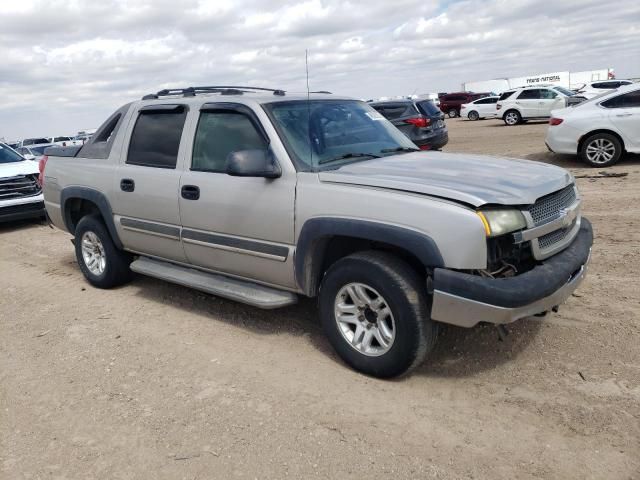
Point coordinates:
[[512, 117], [601, 150], [375, 313], [453, 113], [102, 264], [473, 115]]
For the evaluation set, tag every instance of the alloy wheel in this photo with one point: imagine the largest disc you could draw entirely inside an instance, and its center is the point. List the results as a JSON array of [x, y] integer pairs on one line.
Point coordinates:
[[364, 319], [600, 150], [93, 253]]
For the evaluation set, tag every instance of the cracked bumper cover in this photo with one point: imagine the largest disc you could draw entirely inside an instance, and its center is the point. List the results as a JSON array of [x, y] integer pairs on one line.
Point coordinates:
[[463, 299]]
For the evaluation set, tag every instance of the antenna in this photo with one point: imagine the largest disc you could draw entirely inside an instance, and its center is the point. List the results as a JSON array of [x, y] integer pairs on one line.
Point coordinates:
[[306, 64]]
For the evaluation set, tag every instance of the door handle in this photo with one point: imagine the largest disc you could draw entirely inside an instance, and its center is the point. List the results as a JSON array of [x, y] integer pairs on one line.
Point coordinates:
[[127, 185], [190, 192], [624, 114]]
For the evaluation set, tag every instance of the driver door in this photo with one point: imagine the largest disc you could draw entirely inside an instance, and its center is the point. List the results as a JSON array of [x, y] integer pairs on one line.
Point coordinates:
[[242, 226]]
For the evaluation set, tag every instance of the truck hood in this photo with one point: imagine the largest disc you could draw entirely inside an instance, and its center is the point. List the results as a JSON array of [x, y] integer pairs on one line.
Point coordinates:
[[12, 169], [472, 179]]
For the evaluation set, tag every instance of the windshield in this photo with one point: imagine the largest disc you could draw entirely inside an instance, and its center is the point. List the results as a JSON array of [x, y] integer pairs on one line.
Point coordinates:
[[8, 156], [564, 91], [324, 134]]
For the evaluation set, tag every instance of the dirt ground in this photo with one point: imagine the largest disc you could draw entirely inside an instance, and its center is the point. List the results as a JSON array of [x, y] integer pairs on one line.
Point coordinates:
[[155, 381]]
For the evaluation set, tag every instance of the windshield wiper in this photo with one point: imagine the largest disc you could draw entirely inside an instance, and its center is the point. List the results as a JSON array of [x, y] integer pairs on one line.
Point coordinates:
[[399, 149], [348, 155]]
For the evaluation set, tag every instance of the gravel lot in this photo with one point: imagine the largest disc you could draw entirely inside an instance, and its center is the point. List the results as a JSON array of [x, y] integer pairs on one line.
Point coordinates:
[[157, 381]]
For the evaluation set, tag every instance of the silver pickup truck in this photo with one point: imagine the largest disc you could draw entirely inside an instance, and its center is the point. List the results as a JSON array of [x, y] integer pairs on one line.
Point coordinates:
[[260, 196]]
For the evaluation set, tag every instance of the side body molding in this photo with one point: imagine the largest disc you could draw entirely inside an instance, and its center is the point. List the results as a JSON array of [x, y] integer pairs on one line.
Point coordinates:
[[97, 198], [317, 232]]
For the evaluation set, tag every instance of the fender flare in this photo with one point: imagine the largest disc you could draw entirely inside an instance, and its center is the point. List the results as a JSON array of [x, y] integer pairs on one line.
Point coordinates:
[[316, 233], [95, 197]]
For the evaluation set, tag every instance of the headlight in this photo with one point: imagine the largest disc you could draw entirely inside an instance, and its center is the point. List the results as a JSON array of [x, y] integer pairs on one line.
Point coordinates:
[[498, 222]]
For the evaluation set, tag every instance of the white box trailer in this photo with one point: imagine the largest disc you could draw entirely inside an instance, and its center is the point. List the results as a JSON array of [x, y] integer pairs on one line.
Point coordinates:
[[563, 79]]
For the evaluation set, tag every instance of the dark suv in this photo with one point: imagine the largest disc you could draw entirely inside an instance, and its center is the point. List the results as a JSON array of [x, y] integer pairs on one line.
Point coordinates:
[[450, 102], [420, 120]]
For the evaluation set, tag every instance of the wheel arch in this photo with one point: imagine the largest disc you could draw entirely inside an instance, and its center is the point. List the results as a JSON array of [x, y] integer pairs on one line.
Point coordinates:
[[77, 202], [324, 240], [584, 137]]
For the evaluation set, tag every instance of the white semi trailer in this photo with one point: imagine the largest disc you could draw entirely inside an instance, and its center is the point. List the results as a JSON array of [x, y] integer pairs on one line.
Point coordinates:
[[571, 80]]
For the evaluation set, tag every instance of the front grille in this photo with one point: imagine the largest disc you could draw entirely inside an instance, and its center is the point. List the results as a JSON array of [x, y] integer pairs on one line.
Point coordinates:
[[19, 186], [550, 239], [548, 208]]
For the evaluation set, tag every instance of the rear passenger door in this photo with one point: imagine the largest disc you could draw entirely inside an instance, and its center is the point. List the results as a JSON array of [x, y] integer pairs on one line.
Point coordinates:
[[243, 226], [528, 102], [147, 182], [624, 113], [549, 101]]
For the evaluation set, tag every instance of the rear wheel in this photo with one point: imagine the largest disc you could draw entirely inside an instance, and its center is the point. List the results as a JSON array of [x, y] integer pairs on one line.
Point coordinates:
[[473, 115], [453, 113], [102, 264], [512, 117], [601, 150], [375, 313]]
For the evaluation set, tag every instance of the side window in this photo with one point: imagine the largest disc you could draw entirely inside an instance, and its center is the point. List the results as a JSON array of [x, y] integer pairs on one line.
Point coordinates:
[[156, 137], [548, 94], [529, 94], [219, 133], [391, 112], [506, 95], [99, 145], [628, 100]]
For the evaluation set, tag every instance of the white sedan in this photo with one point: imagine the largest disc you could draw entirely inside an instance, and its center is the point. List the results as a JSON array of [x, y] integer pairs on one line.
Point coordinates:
[[599, 130], [593, 89], [484, 107]]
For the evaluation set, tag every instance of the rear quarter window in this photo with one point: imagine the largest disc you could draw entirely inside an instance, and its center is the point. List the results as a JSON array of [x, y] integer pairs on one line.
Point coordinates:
[[506, 95], [427, 107]]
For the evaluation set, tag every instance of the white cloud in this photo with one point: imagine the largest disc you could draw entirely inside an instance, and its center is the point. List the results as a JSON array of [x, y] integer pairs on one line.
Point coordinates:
[[68, 64]]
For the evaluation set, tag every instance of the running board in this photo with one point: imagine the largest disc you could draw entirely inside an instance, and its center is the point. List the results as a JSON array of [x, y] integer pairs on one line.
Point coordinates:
[[219, 285]]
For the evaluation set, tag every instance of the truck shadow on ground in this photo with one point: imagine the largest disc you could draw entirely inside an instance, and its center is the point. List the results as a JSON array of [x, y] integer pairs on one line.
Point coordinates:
[[459, 352], [16, 225]]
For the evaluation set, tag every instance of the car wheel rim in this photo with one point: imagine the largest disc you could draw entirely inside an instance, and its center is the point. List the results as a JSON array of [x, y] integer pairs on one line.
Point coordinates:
[[364, 319], [93, 253], [512, 118], [452, 113], [473, 116], [601, 150]]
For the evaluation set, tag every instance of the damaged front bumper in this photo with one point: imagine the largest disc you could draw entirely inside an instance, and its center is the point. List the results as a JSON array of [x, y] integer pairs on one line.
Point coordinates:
[[463, 299]]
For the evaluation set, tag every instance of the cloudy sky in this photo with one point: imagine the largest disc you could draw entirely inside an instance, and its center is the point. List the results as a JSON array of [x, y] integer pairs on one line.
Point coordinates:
[[67, 64]]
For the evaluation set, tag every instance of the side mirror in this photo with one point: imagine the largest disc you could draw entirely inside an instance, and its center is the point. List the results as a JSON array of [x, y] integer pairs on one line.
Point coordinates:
[[253, 163]]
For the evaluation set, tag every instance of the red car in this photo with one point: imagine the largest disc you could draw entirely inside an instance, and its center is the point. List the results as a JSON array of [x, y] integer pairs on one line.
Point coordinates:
[[450, 102]]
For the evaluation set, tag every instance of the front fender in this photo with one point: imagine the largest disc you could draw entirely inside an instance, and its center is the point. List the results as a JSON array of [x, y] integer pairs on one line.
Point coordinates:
[[316, 232]]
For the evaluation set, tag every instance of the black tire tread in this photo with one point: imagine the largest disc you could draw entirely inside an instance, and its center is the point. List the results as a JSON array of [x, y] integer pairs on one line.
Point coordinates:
[[117, 271], [401, 276]]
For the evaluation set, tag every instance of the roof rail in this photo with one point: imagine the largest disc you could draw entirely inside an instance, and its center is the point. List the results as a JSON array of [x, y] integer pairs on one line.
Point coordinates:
[[221, 89]]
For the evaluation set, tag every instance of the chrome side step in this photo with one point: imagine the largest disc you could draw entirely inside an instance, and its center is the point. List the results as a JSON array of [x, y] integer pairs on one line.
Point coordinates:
[[219, 285]]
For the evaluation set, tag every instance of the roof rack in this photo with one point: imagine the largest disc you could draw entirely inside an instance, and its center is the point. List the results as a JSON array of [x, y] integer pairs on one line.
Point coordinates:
[[221, 89]]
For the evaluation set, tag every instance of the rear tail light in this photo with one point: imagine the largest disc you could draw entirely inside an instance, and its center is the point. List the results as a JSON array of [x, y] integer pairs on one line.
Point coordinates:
[[425, 147], [498, 106], [41, 164], [555, 121], [419, 122]]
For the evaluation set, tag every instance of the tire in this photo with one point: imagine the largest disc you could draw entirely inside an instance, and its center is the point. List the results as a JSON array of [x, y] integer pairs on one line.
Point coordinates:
[[453, 113], [387, 281], [102, 264], [601, 150], [512, 117], [473, 115]]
